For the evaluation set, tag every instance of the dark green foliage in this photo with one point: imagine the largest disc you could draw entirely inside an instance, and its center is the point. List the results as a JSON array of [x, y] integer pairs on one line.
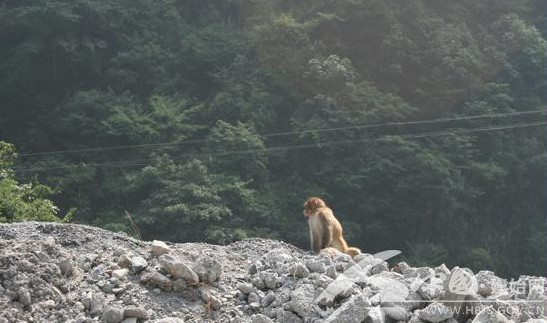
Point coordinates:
[[214, 121], [24, 202]]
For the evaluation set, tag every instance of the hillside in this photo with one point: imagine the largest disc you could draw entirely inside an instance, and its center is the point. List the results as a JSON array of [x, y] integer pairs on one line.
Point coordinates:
[[213, 120], [77, 273]]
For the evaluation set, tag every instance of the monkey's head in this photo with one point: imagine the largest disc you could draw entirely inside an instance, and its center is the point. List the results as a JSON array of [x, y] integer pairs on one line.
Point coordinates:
[[312, 204]]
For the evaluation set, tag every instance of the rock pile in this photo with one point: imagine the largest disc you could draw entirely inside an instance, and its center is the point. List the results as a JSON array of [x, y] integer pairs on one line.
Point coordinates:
[[75, 273]]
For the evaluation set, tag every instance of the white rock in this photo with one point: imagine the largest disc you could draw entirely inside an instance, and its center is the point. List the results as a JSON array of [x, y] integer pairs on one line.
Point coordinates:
[[159, 248], [178, 269], [120, 273]]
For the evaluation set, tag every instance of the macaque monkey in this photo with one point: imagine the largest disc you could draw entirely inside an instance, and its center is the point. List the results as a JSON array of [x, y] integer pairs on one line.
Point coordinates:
[[325, 229]]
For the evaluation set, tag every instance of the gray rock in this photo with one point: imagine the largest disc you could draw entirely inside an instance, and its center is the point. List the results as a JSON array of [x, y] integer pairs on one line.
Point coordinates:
[[303, 300], [260, 318], [134, 311], [66, 267], [277, 258], [379, 268], [391, 290], [341, 287], [351, 311], [316, 266], [403, 266], [375, 315], [299, 270], [490, 315], [397, 313], [442, 272], [268, 299], [270, 279], [435, 312], [216, 303], [332, 272], [178, 269], [288, 317], [130, 320], [245, 288], [97, 303], [253, 297], [112, 315], [46, 305], [156, 279], [256, 267], [138, 264], [124, 261], [49, 241], [489, 284], [254, 306], [208, 269], [415, 319], [180, 285], [24, 296], [159, 248]]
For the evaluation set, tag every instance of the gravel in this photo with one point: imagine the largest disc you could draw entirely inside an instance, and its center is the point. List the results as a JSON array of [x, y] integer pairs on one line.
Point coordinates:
[[77, 273]]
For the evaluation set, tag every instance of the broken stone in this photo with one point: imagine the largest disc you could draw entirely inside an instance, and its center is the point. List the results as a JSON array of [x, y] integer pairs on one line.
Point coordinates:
[[435, 312], [66, 267], [134, 311], [351, 311], [120, 273], [490, 315], [253, 297], [302, 300], [316, 266], [489, 284], [288, 317], [24, 296], [49, 241], [156, 279], [159, 248], [299, 270], [260, 318], [112, 315], [245, 288], [49, 304], [97, 303], [124, 261], [397, 313], [178, 269], [268, 299], [215, 302], [341, 287], [270, 279], [375, 315], [208, 269], [179, 285], [138, 264]]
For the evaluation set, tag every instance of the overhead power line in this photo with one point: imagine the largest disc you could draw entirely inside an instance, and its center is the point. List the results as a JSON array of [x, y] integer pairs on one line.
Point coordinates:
[[289, 133], [147, 161]]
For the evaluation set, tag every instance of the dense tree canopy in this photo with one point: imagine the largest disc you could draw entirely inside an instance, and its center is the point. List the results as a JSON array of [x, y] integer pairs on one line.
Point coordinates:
[[417, 121]]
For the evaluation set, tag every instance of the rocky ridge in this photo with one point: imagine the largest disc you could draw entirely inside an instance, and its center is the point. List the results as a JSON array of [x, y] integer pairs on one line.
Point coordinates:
[[76, 273]]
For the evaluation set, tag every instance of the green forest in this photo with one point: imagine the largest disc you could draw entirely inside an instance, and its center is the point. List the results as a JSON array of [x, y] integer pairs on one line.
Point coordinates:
[[420, 122]]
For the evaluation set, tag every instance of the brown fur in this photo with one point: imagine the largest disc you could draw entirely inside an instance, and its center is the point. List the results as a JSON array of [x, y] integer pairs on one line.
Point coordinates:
[[325, 229]]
